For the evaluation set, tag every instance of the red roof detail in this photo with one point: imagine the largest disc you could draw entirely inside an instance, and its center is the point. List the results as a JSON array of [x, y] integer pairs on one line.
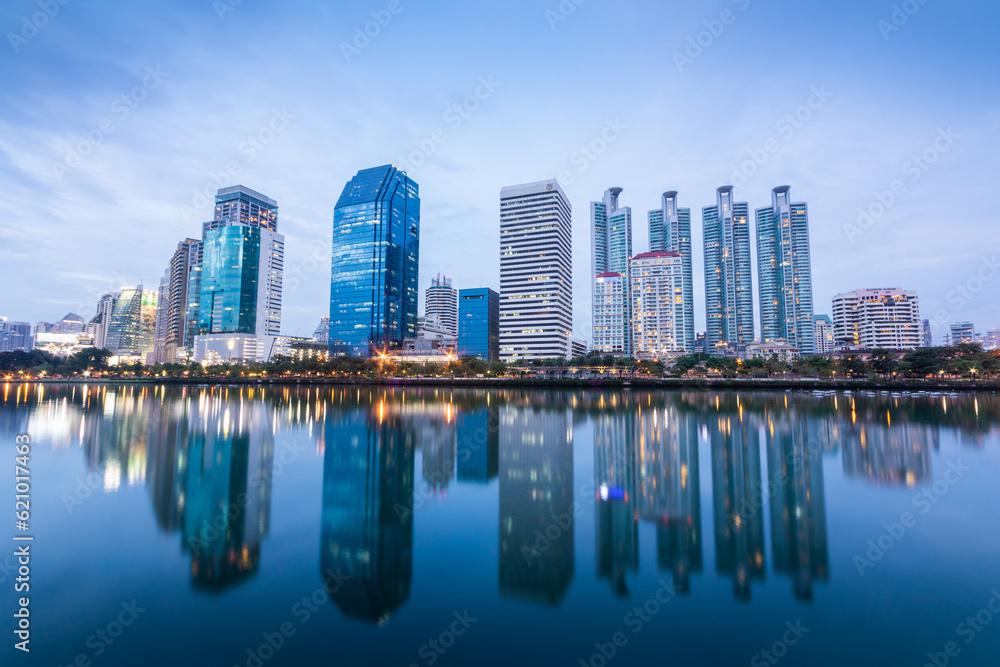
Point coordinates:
[[651, 255]]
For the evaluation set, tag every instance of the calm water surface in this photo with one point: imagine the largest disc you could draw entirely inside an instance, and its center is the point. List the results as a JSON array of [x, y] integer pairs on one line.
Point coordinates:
[[303, 526]]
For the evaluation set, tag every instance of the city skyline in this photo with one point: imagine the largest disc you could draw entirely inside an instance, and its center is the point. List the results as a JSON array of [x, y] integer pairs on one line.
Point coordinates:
[[840, 125]]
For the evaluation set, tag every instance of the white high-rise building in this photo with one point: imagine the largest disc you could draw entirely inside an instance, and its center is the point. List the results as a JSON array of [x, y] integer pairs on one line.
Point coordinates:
[[536, 272], [442, 304], [611, 321], [611, 240], [992, 339], [877, 318], [670, 231], [657, 294]]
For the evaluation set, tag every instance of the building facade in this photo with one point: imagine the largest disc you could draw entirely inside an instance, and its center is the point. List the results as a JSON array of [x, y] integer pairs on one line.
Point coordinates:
[[927, 336], [612, 326], [123, 335], [785, 271], [376, 254], [963, 333], [442, 303], [171, 321], [536, 272], [611, 241], [670, 231], [877, 318], [657, 295], [728, 280], [15, 336], [479, 323], [992, 339], [823, 340]]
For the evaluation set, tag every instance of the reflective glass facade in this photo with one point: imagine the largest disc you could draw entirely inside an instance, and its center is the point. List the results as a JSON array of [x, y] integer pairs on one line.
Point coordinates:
[[728, 283], [479, 323], [230, 269], [376, 250], [124, 334]]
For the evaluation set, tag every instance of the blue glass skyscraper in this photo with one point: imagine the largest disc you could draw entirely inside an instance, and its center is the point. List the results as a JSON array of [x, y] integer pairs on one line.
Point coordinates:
[[479, 323], [728, 287], [376, 251]]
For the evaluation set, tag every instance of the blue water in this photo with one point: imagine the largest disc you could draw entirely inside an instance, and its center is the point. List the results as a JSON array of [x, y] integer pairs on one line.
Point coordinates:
[[344, 526]]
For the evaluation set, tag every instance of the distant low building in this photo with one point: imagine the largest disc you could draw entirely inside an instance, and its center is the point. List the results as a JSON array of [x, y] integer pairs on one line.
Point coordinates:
[[823, 341], [926, 337], [992, 339], [322, 333], [877, 318], [779, 349], [963, 333], [15, 336], [214, 349], [307, 350], [70, 324], [63, 344], [579, 348]]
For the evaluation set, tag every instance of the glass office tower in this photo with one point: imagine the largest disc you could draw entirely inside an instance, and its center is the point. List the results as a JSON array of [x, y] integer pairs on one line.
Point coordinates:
[[479, 323], [376, 250], [229, 280], [728, 286], [670, 231], [785, 272], [124, 330]]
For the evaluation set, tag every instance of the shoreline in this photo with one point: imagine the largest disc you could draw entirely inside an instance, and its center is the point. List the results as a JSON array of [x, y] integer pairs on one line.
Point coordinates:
[[912, 386]]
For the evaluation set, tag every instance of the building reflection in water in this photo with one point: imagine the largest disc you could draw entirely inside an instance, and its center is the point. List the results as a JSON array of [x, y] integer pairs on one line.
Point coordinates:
[[227, 490], [615, 480], [736, 490], [479, 444], [536, 502], [896, 454], [367, 521], [798, 501], [669, 490], [436, 438]]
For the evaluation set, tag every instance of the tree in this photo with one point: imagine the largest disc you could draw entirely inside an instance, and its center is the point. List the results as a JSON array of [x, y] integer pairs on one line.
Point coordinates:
[[883, 361]]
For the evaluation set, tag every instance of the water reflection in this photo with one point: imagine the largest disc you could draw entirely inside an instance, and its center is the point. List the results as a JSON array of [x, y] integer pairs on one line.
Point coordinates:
[[206, 456], [367, 525]]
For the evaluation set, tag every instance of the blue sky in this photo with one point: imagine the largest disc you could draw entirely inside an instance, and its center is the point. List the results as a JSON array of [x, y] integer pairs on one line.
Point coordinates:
[[166, 97]]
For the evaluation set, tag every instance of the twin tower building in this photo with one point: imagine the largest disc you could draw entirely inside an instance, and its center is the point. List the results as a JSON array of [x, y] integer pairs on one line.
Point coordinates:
[[643, 305]]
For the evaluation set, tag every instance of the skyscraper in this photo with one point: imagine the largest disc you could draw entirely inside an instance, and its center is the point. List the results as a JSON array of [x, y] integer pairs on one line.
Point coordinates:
[[171, 323], [657, 304], [242, 263], [728, 282], [376, 253], [612, 329], [123, 332], [442, 303], [611, 240], [105, 308], [785, 271], [670, 231], [479, 323], [536, 272]]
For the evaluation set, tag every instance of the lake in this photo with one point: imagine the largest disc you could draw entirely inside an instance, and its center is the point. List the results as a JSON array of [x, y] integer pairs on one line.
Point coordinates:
[[345, 525]]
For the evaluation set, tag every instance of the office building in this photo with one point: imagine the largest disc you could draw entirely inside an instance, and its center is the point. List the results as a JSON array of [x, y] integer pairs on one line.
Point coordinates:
[[235, 348], [670, 231], [442, 303], [123, 335], [71, 324], [611, 240], [242, 264], [376, 253], [877, 318], [171, 322], [536, 272], [611, 314], [15, 336], [322, 333], [102, 320], [657, 308], [926, 336], [728, 281], [479, 323], [785, 271], [992, 341], [578, 347], [823, 341], [963, 333]]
